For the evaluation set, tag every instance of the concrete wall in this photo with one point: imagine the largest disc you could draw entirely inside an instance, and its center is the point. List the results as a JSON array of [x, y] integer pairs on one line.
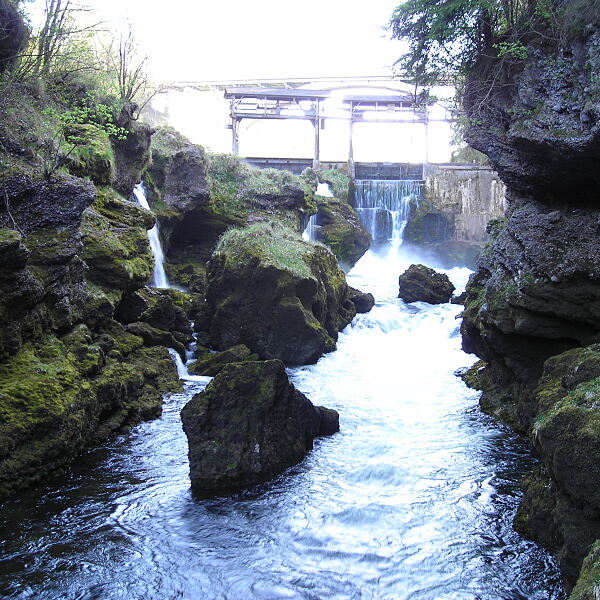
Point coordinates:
[[471, 195]]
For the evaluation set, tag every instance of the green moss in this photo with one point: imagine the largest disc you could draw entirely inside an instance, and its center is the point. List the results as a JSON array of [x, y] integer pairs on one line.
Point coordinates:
[[214, 363], [118, 257], [237, 190], [120, 212], [36, 385], [474, 377], [269, 242], [94, 158], [588, 584], [341, 184]]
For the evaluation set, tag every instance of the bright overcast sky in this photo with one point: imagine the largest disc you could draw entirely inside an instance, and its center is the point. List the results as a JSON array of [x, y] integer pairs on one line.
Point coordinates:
[[236, 39]]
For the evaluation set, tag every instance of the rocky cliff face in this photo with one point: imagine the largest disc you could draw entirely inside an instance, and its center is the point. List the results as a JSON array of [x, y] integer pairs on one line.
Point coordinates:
[[532, 309], [72, 369]]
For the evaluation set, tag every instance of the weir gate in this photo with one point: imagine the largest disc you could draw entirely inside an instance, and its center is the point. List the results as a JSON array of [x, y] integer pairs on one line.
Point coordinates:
[[361, 170]]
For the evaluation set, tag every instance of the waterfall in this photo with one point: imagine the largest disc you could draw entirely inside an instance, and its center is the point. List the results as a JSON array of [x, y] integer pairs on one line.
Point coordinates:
[[159, 277], [323, 189], [384, 207], [182, 370], [309, 232]]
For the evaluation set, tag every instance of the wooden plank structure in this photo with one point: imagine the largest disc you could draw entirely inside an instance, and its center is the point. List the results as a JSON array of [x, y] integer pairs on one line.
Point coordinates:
[[312, 105]]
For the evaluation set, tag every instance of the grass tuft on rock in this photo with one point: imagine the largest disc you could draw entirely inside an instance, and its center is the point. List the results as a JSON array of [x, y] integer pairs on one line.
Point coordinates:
[[270, 242]]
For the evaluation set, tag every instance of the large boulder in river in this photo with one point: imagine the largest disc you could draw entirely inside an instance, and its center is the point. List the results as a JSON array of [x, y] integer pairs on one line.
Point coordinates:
[[422, 284], [279, 295], [249, 425]]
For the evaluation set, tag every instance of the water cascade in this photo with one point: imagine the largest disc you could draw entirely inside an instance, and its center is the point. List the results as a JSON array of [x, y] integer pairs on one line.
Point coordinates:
[[413, 499], [384, 207], [323, 189], [159, 277], [182, 370]]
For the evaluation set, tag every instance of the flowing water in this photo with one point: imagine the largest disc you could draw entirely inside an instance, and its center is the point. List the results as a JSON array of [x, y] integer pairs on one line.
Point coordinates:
[[384, 207], [323, 189], [413, 499], [159, 277]]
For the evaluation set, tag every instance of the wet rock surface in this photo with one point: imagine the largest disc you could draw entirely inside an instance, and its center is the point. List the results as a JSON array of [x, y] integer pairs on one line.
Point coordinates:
[[249, 425], [423, 284], [340, 229]]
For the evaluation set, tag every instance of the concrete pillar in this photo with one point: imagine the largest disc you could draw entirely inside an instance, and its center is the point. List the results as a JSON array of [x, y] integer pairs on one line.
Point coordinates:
[[317, 125], [235, 136]]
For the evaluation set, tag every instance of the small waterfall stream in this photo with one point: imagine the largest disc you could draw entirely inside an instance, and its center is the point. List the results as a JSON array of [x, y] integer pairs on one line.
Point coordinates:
[[159, 277], [323, 189], [412, 500]]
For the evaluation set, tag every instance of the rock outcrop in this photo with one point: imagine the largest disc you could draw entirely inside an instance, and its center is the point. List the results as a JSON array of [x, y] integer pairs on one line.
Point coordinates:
[[249, 425], [70, 374], [13, 34], [423, 284], [340, 229], [338, 224], [280, 296], [213, 363], [532, 307], [198, 196]]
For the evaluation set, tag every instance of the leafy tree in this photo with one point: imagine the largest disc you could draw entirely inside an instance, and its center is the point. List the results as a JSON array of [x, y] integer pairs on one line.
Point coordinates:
[[446, 37], [125, 73]]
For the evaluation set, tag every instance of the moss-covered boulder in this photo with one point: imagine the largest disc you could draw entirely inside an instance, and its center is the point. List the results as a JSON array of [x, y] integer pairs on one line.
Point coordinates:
[[422, 284], [279, 295], [94, 156], [166, 309], [339, 228], [249, 425], [61, 394], [213, 363]]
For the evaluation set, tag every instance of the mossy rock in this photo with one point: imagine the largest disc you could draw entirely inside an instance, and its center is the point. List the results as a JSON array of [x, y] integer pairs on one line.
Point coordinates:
[[212, 364], [279, 295], [473, 376], [422, 284], [341, 184], [116, 247], [217, 193], [248, 425], [93, 158], [60, 395], [588, 584], [340, 229]]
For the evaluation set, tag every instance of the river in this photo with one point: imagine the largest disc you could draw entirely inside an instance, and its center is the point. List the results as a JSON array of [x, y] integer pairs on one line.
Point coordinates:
[[413, 499]]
